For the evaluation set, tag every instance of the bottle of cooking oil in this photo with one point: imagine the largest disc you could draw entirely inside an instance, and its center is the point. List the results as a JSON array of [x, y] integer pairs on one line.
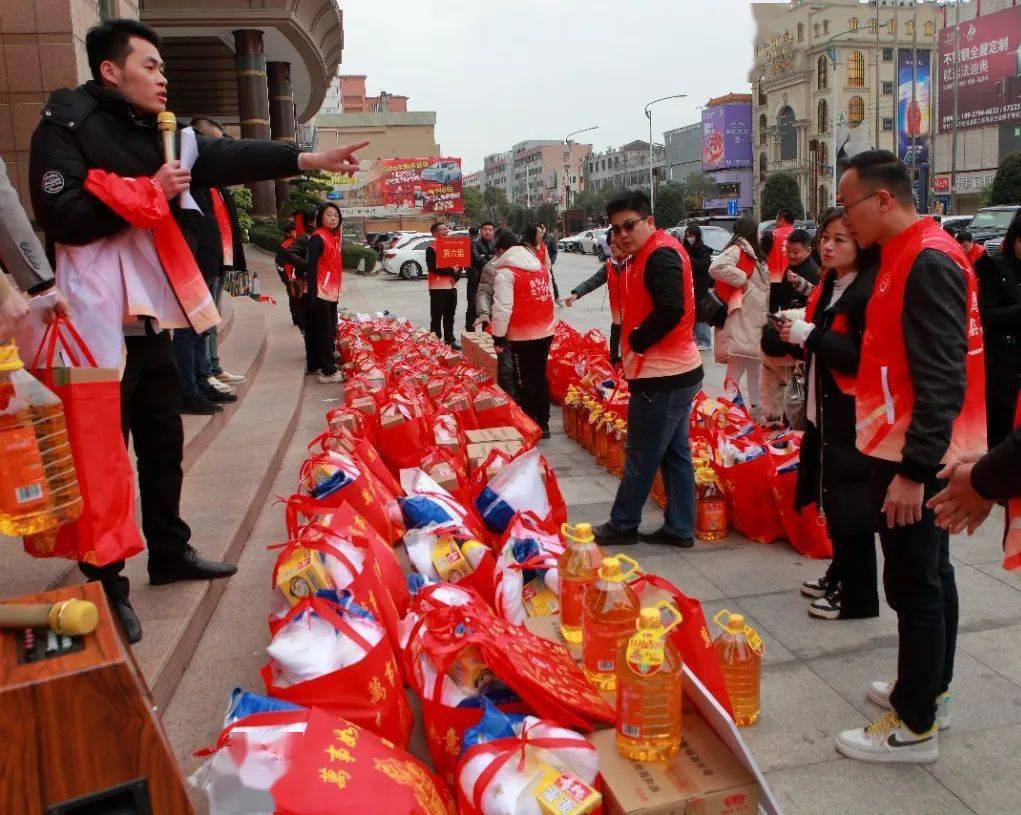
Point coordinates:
[[739, 652], [579, 569], [589, 422], [616, 456], [570, 402], [710, 506], [38, 483], [611, 609], [603, 430], [649, 690]]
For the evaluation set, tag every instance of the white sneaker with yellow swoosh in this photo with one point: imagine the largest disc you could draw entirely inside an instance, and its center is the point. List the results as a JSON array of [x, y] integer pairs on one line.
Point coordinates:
[[879, 694], [888, 740]]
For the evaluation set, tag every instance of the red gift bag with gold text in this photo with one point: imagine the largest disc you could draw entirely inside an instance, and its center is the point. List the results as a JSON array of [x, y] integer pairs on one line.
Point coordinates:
[[806, 528]]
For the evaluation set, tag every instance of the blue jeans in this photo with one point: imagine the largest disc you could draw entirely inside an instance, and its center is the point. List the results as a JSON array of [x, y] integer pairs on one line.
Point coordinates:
[[657, 438], [190, 350], [212, 339], [703, 334]]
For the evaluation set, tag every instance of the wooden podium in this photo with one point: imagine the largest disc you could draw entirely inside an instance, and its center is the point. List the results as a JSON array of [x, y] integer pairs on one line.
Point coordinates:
[[79, 734]]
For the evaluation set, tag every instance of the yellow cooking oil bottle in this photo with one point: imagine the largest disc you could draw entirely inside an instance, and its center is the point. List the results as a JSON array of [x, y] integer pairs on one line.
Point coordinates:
[[710, 506], [649, 689], [739, 652], [38, 483], [611, 609], [579, 569]]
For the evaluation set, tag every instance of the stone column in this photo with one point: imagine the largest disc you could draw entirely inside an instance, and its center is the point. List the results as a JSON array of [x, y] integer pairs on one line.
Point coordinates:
[[281, 113], [253, 108]]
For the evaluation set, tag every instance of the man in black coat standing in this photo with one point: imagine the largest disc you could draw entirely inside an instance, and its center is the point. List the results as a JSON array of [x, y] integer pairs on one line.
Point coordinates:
[[483, 250]]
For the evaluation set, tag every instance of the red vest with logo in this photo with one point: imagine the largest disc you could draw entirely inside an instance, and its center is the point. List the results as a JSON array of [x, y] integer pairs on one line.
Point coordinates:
[[1012, 534], [777, 260], [840, 325], [885, 395], [534, 314], [613, 276], [329, 271], [287, 243], [746, 263], [543, 254], [676, 353]]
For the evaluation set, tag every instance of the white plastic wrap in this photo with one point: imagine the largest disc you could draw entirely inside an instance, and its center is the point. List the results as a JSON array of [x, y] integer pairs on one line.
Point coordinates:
[[309, 646]]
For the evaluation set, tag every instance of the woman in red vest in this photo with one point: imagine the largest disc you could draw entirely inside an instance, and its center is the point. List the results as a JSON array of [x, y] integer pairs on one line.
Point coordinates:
[[832, 472], [323, 274], [523, 319]]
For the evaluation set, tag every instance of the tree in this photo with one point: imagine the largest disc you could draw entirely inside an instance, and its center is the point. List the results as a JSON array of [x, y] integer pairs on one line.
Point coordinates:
[[242, 198], [696, 186], [307, 193], [588, 201], [1006, 186], [544, 214], [671, 205], [474, 205], [781, 192], [496, 204]]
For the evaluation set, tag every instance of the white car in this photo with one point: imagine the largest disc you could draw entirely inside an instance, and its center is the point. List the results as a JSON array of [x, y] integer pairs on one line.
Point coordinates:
[[588, 240], [407, 259]]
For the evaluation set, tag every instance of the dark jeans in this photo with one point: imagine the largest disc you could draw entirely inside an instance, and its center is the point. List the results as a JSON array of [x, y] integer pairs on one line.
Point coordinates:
[[470, 310], [854, 566], [150, 401], [212, 338], [920, 587], [657, 438], [192, 362], [553, 277], [320, 333], [297, 306], [442, 307], [704, 334], [506, 377], [530, 358]]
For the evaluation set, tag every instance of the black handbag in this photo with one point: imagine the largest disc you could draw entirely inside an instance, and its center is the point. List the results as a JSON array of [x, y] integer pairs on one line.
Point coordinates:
[[712, 310]]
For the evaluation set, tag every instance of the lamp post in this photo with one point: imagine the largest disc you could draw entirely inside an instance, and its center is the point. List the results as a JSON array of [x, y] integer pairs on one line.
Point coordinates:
[[567, 163], [648, 115]]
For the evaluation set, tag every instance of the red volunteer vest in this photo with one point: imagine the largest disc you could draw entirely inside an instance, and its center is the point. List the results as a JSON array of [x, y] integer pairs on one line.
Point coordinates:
[[543, 254], [223, 225], [840, 325], [676, 353], [287, 243], [533, 315], [885, 396], [329, 272], [777, 260], [746, 263], [976, 251], [1012, 534]]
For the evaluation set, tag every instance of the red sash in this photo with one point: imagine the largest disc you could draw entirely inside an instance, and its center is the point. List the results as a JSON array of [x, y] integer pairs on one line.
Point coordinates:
[[223, 224], [840, 325]]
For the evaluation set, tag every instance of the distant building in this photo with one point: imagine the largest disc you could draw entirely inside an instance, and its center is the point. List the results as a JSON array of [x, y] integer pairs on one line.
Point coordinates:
[[474, 181], [624, 167], [346, 94], [726, 147], [683, 147], [498, 171], [539, 171]]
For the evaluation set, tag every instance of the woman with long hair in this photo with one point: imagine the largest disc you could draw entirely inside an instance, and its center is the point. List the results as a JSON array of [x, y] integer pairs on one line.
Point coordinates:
[[742, 282], [701, 256], [832, 472], [323, 278]]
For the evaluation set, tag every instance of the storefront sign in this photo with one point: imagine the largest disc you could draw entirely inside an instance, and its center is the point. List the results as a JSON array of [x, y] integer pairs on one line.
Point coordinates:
[[400, 187], [913, 106]]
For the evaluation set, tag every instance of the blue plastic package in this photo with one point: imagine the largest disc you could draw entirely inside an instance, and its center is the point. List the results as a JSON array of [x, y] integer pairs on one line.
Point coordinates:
[[242, 703], [494, 724]]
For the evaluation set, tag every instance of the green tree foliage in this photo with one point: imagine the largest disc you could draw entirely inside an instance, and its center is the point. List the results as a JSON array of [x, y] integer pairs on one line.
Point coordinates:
[[242, 198], [1006, 186], [696, 188], [517, 216], [671, 204], [781, 192], [307, 192], [495, 204], [474, 205], [545, 214]]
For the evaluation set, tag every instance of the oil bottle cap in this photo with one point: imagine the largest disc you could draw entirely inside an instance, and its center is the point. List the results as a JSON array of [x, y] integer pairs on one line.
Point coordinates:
[[610, 570], [9, 359], [650, 618], [735, 623], [583, 532]]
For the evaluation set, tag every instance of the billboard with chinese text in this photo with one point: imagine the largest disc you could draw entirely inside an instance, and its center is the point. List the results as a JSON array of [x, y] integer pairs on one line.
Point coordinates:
[[913, 107], [988, 71], [400, 186], [727, 136]]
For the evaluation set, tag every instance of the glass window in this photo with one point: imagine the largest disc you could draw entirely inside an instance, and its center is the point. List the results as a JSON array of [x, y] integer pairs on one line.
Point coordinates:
[[788, 135], [823, 73], [856, 70], [873, 25], [887, 55], [423, 245], [801, 32], [762, 130], [891, 27], [815, 29], [106, 9], [853, 23], [855, 111], [911, 28], [762, 93], [825, 26], [928, 29], [823, 116], [762, 167], [887, 123], [887, 87]]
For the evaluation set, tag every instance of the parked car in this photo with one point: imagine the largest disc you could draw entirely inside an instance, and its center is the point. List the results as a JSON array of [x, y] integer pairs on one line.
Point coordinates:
[[989, 226], [715, 237], [442, 172], [408, 259], [573, 243], [956, 223], [590, 240]]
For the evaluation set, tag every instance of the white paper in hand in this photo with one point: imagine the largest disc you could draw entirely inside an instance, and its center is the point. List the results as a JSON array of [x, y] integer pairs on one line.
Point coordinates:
[[189, 155]]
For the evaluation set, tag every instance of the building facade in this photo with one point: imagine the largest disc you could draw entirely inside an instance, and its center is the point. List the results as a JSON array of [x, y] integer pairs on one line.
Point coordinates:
[[347, 94], [498, 171], [834, 78], [683, 152], [624, 167], [474, 181], [539, 171]]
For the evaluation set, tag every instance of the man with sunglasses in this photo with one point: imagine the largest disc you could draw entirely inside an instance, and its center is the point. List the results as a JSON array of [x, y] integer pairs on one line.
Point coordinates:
[[656, 298], [919, 399]]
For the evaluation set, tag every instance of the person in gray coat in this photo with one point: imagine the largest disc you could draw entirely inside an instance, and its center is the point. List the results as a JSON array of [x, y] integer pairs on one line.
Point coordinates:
[[506, 377]]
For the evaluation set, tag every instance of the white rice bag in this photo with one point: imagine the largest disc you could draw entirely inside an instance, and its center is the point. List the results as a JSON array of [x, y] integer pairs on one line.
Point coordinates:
[[309, 646]]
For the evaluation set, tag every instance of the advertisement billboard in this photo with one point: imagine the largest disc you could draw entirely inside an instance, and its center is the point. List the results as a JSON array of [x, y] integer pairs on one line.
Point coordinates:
[[988, 71], [913, 108], [400, 186], [727, 136]]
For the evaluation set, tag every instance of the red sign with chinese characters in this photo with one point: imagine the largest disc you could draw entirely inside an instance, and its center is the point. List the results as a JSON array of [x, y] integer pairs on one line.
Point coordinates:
[[453, 252]]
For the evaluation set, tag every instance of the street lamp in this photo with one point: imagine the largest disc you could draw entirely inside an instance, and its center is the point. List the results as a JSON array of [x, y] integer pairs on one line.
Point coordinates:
[[648, 115], [567, 166]]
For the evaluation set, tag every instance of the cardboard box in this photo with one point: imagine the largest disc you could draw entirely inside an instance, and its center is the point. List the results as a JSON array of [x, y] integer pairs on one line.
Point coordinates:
[[478, 453], [487, 434], [549, 629], [703, 778], [366, 404], [443, 474]]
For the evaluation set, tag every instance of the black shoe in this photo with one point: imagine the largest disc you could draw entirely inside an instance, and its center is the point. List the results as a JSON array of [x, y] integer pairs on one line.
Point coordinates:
[[218, 397], [130, 624], [188, 566], [608, 535], [455, 345], [196, 404], [662, 537]]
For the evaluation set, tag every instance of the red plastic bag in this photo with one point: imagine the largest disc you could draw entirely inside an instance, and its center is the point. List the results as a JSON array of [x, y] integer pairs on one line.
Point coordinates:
[[806, 528], [494, 408], [691, 637], [105, 531], [403, 434], [750, 504], [359, 449], [368, 693]]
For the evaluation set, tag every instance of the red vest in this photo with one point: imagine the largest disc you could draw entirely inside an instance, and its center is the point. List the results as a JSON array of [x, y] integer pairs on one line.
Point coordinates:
[[885, 396], [746, 263], [676, 353], [533, 315], [777, 260], [613, 276], [287, 243], [976, 251], [840, 325], [223, 225], [1012, 534], [543, 254], [329, 272]]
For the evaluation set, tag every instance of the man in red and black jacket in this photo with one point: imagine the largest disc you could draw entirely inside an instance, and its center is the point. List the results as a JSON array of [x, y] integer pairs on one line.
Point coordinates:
[[442, 291]]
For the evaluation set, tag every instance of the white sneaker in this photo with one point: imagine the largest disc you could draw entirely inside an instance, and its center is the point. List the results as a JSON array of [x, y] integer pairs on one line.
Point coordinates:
[[815, 588], [888, 740], [333, 378], [826, 608], [217, 385], [230, 379], [879, 694]]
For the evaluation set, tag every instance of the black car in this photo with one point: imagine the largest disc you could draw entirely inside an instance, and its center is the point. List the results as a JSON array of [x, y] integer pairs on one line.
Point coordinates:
[[989, 226]]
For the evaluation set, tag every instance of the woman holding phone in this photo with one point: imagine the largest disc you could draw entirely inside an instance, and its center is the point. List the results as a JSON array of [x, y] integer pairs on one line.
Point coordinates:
[[832, 472]]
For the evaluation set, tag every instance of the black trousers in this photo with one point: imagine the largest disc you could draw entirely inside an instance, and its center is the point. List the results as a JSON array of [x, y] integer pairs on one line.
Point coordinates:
[[553, 277], [150, 405], [530, 358], [471, 312], [920, 587], [506, 374], [442, 307], [320, 334], [297, 306], [854, 566]]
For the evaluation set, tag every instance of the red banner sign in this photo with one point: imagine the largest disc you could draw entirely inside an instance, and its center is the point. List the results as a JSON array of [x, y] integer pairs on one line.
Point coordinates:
[[453, 252]]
